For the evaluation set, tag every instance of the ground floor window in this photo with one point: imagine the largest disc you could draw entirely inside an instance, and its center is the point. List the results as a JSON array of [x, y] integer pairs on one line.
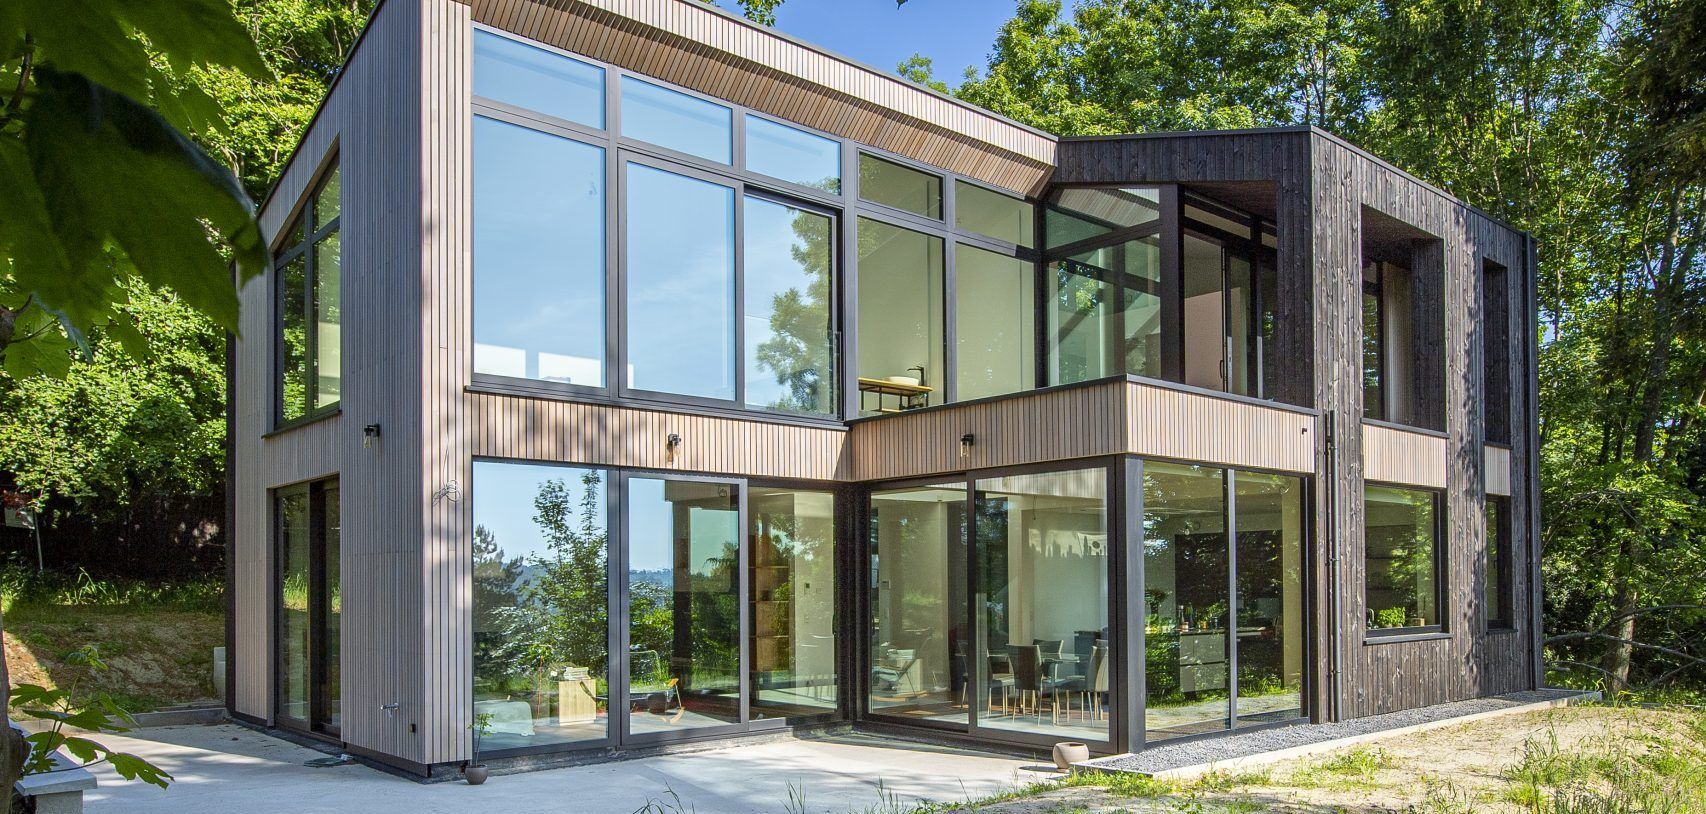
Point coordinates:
[[1500, 593], [724, 606], [309, 598], [990, 601], [1223, 599], [541, 628], [1401, 560]]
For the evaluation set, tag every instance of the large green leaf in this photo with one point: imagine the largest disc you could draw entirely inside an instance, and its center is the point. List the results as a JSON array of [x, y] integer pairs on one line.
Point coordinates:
[[112, 172]]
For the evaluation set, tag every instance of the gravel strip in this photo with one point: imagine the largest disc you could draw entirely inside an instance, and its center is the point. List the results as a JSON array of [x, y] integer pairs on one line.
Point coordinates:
[[1214, 750]]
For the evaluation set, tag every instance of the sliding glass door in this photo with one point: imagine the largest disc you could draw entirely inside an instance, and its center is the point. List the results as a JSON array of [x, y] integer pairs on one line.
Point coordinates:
[[919, 623]]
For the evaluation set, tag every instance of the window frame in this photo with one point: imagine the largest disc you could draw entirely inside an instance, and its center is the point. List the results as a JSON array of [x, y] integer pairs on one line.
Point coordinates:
[[843, 208], [316, 725], [300, 240], [1504, 588], [1441, 551]]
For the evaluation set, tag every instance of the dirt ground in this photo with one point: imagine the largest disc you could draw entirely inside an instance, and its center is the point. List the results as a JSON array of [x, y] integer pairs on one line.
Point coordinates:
[[1475, 767], [155, 659]]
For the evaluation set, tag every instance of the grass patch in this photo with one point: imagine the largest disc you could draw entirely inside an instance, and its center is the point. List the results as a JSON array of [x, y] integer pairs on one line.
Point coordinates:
[[27, 593], [1356, 768]]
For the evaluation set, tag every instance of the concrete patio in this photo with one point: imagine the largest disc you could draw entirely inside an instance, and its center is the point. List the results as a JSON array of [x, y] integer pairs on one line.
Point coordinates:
[[226, 769]]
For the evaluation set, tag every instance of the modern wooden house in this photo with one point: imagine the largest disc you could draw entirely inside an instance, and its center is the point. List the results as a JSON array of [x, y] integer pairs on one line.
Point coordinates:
[[632, 374]]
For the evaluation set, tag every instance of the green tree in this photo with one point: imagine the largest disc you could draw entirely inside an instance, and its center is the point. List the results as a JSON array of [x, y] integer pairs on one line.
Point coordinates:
[[102, 194]]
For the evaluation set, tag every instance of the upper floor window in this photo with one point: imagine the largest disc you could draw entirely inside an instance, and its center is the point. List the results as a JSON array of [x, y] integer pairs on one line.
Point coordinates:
[[1403, 323], [1496, 353], [1152, 282], [896, 185], [539, 270], [987, 212], [676, 121], [793, 155], [526, 76], [309, 307]]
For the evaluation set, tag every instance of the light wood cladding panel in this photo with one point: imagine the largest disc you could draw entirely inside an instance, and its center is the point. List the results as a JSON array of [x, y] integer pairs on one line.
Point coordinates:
[[532, 429], [370, 126], [1498, 470], [1392, 455], [691, 45], [1163, 422]]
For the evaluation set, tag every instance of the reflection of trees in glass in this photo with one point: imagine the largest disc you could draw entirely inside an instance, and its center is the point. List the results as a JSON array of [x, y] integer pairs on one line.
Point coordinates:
[[495, 580], [293, 336], [799, 351]]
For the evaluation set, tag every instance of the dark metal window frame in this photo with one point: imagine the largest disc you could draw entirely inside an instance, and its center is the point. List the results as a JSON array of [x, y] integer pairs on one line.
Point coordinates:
[[1504, 587], [844, 208], [858, 684], [617, 735], [318, 599], [1138, 696], [1440, 552], [300, 241]]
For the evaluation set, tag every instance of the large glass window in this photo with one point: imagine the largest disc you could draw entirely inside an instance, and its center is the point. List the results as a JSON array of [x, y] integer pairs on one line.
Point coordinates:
[[793, 155], [899, 186], [995, 323], [684, 634], [541, 636], [793, 602], [1373, 344], [1270, 634], [1500, 591], [1042, 562], [1104, 312], [1401, 559], [901, 312], [539, 265], [789, 314], [677, 121], [309, 307], [1495, 352], [680, 284], [991, 213], [1186, 572], [919, 627], [523, 75]]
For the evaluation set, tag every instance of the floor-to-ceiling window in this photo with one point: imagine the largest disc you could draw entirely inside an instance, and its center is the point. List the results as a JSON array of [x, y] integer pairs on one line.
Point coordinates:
[[722, 630], [684, 610], [540, 599], [793, 605], [1224, 604], [920, 636], [1042, 555], [309, 602]]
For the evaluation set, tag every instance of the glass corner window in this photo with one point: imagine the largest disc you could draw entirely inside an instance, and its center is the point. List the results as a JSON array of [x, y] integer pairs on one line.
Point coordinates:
[[515, 73], [676, 121], [793, 155], [895, 185], [308, 305]]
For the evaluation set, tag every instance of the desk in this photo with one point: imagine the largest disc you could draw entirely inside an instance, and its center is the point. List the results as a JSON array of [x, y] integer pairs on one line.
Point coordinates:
[[907, 396]]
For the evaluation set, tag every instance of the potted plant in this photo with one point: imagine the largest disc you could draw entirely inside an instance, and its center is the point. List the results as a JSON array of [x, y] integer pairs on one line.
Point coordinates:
[[476, 772]]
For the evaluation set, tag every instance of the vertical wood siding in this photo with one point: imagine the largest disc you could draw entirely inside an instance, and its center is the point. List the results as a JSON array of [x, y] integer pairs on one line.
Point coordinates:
[[693, 46], [603, 435], [1322, 186], [371, 122], [1396, 456]]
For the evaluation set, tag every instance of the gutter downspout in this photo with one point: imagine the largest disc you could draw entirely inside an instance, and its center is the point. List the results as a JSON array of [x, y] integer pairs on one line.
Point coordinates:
[[1333, 597]]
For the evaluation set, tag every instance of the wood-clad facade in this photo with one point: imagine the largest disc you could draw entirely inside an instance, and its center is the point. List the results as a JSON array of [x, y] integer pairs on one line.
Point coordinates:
[[415, 419]]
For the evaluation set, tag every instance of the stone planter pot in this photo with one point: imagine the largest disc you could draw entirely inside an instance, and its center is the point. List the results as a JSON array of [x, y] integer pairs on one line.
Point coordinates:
[[475, 775], [1067, 753]]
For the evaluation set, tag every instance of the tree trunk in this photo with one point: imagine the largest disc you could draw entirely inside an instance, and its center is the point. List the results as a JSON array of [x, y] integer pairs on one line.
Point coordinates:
[[13, 749]]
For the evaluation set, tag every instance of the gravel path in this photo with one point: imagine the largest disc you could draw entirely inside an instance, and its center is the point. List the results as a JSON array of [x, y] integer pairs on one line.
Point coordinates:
[[1214, 750]]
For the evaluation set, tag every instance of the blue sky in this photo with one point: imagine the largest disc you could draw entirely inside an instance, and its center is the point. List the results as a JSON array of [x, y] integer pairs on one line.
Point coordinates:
[[953, 33]]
